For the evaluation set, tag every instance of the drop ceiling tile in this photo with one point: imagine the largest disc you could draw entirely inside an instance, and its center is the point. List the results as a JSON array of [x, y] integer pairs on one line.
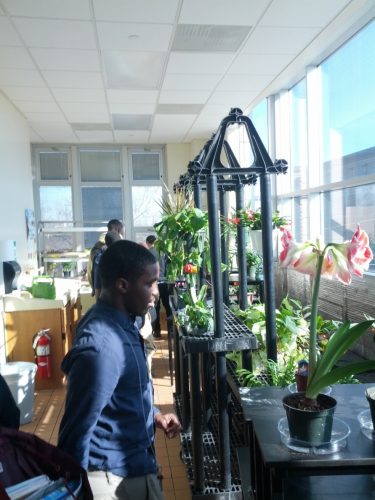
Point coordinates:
[[134, 70], [190, 82], [134, 37], [73, 79], [131, 122], [198, 64], [132, 137], [183, 97], [243, 12], [261, 64], [38, 94], [83, 107], [179, 109], [175, 126], [21, 77], [66, 59], [140, 108], [96, 136], [244, 82], [79, 95], [34, 137], [54, 131], [297, 13], [215, 112], [51, 33], [87, 117], [8, 35], [132, 96], [38, 107], [267, 40], [45, 117], [68, 9], [232, 99], [141, 11], [15, 57]]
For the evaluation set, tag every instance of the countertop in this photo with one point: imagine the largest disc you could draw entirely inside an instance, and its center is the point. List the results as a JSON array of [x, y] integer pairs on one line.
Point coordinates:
[[66, 290]]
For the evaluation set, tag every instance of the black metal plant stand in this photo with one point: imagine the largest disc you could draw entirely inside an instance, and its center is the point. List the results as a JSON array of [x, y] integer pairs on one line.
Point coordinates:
[[207, 172]]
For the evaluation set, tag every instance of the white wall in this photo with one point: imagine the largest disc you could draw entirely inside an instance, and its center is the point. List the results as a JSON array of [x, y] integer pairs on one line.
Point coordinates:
[[16, 191], [177, 157]]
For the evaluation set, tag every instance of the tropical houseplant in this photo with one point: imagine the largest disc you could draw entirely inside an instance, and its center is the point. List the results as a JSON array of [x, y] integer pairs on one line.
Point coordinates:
[[333, 260], [254, 262]]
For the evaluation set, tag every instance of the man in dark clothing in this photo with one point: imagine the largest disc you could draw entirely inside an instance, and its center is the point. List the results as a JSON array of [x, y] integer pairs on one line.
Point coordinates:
[[9, 411], [110, 238], [162, 286], [109, 419]]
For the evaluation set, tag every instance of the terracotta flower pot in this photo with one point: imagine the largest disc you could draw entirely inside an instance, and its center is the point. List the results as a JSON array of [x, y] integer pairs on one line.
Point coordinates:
[[313, 427]]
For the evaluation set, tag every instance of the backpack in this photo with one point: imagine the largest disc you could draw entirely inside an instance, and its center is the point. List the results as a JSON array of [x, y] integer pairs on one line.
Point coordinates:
[[24, 456]]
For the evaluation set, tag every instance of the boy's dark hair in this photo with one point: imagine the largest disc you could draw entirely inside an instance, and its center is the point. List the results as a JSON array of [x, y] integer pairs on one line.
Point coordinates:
[[151, 239], [111, 237], [124, 259], [115, 225]]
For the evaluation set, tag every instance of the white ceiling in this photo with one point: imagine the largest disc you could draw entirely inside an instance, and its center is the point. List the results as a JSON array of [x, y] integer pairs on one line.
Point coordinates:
[[156, 71]]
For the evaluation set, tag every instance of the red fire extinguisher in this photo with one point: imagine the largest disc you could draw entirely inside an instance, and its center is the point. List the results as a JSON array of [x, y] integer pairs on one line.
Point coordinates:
[[42, 351]]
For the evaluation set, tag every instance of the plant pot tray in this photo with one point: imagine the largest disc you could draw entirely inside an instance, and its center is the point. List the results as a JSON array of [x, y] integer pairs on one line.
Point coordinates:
[[340, 432]]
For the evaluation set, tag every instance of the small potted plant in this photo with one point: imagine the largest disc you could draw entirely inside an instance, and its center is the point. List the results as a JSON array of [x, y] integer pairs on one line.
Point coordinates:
[[254, 261], [309, 413], [197, 318], [67, 268]]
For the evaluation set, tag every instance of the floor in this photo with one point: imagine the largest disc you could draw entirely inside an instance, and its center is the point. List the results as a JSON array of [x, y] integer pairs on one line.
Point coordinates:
[[48, 410]]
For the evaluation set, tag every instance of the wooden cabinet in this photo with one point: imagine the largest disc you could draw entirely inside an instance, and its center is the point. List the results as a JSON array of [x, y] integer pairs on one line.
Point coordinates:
[[21, 326]]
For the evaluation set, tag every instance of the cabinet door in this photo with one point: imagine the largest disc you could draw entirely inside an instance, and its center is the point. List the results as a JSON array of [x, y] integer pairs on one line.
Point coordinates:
[[20, 328]]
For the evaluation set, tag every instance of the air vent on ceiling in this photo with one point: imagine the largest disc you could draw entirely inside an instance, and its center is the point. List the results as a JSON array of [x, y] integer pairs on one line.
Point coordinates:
[[131, 122], [179, 109], [207, 38], [91, 126]]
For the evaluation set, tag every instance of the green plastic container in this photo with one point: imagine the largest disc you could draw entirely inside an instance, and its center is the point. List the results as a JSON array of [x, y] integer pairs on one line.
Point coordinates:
[[43, 287]]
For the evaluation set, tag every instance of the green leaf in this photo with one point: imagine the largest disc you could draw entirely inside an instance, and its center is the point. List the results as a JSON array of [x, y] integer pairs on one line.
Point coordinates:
[[337, 374]]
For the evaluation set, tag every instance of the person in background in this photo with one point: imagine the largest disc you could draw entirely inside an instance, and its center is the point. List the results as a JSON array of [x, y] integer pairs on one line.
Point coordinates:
[[109, 420], [113, 225], [162, 285], [9, 411], [110, 238]]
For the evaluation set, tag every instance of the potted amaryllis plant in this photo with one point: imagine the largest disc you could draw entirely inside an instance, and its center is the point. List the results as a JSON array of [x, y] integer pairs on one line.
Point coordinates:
[[333, 260]]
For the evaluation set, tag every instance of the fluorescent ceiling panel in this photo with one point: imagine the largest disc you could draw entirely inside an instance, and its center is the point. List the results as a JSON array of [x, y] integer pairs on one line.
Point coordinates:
[[91, 126], [190, 82], [183, 97], [51, 33], [94, 136], [38, 107], [132, 96], [135, 108], [73, 79], [141, 11], [242, 12], [131, 122], [21, 77], [67, 59], [208, 38], [267, 40], [179, 109], [37, 94], [198, 64], [134, 37], [297, 13], [68, 9], [8, 35], [79, 95], [15, 57], [138, 70]]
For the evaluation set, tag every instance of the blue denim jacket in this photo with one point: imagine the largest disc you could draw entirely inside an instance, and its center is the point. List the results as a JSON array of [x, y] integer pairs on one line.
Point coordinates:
[[108, 422]]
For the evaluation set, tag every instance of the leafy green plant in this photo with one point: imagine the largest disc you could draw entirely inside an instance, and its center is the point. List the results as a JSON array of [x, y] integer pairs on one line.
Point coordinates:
[[253, 219], [279, 374], [182, 234], [253, 259], [196, 317]]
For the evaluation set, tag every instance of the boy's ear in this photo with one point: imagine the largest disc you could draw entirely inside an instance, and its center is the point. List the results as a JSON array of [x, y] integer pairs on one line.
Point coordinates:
[[122, 285]]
